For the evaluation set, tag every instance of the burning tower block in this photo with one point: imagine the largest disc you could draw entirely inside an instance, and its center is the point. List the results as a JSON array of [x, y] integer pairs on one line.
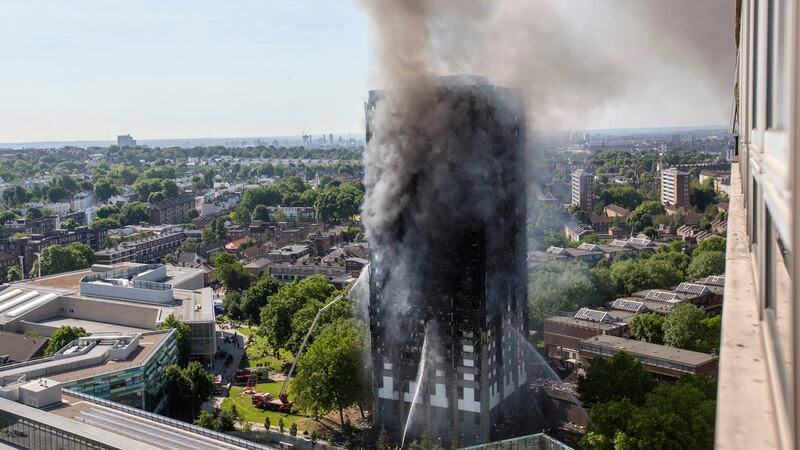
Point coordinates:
[[446, 214]]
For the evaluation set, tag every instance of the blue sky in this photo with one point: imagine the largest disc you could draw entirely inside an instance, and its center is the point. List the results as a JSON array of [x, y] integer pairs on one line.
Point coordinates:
[[92, 69], [157, 69]]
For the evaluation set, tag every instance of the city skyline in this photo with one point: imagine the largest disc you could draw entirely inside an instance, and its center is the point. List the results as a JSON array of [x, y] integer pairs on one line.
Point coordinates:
[[93, 70]]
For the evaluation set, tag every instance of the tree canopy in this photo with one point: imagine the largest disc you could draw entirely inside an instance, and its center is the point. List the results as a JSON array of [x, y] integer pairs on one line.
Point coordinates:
[[329, 376], [183, 336], [277, 316], [63, 258], [672, 416], [63, 336], [706, 263], [616, 378]]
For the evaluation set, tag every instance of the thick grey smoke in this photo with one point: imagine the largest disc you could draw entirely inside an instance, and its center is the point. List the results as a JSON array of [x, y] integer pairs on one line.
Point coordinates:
[[572, 59]]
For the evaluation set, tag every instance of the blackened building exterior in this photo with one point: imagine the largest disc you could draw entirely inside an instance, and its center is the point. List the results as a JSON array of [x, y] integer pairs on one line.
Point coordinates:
[[464, 288]]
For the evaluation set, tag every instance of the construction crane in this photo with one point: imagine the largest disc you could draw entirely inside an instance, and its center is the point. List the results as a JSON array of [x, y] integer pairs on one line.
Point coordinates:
[[308, 334]]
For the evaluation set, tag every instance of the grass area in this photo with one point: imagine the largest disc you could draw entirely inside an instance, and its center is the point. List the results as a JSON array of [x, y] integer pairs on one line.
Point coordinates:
[[256, 415], [259, 354]]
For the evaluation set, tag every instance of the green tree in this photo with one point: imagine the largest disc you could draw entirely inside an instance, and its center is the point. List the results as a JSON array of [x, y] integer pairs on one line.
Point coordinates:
[[192, 214], [642, 215], [8, 216], [170, 189], [425, 442], [702, 194], [232, 305], [257, 298], [674, 416], [260, 212], [178, 388], [133, 213], [105, 189], [105, 223], [233, 275], [183, 336], [156, 197], [146, 186], [559, 286], [712, 328], [618, 377], [277, 316], [14, 273], [325, 205], [683, 328], [329, 374], [107, 211], [625, 196], [648, 327], [63, 336], [69, 224], [631, 276], [207, 420], [63, 258], [706, 263], [713, 243]]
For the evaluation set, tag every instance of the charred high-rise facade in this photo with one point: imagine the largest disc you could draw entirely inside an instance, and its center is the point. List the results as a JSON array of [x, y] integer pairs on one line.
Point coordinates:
[[446, 216]]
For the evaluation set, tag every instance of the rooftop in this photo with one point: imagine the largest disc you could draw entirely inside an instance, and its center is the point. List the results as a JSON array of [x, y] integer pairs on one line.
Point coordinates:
[[640, 348]]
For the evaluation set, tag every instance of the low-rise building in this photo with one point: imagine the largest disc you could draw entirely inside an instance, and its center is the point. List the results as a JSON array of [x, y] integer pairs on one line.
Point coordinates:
[[563, 333], [126, 298], [660, 360], [150, 249]]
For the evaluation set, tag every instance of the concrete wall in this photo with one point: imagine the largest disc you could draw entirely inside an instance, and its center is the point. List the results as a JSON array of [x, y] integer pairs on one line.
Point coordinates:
[[130, 293]]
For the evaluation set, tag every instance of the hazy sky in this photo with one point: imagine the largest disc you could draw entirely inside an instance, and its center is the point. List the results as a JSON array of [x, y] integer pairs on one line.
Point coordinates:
[[92, 69]]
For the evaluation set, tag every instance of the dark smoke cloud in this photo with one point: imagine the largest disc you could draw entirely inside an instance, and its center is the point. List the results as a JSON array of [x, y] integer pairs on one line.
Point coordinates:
[[571, 58]]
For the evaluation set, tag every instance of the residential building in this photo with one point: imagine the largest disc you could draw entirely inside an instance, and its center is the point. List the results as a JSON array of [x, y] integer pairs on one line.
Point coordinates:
[[126, 141], [576, 231], [564, 332], [674, 188], [660, 360], [149, 249], [171, 210], [83, 201], [469, 307], [759, 380], [616, 211], [583, 190]]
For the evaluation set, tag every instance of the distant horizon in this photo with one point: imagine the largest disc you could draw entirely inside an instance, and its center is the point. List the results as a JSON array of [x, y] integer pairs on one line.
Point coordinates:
[[359, 136]]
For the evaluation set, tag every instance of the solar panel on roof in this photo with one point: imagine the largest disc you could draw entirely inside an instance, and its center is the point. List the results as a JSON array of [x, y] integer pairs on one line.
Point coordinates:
[[662, 296], [628, 305], [692, 288], [592, 315], [715, 280]]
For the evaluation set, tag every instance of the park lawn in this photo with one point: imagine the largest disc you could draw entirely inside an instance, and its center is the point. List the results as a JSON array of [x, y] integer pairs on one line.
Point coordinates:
[[256, 415], [259, 354]]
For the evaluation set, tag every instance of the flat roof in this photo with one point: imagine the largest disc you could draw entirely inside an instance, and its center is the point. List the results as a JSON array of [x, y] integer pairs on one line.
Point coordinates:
[[63, 422], [90, 326], [152, 433], [147, 345], [641, 348], [569, 320]]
